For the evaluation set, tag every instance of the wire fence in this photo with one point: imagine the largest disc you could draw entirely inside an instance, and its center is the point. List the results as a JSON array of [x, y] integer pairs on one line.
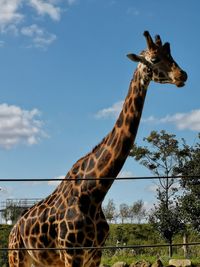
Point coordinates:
[[101, 178], [106, 247], [105, 178]]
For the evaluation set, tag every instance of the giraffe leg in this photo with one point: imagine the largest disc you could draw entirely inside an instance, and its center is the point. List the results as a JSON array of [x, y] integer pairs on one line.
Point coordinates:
[[14, 256], [96, 260], [72, 261], [34, 264], [20, 259], [17, 258]]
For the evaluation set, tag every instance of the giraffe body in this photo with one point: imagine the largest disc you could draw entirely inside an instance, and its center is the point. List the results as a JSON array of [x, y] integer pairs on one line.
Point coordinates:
[[72, 217]]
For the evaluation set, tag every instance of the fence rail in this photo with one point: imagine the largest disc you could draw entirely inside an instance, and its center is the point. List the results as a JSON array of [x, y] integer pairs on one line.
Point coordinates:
[[108, 247], [105, 178], [102, 178]]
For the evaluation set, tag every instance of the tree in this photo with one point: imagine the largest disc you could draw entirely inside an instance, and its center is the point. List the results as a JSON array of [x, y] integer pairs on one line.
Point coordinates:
[[123, 212], [137, 211], [190, 200], [4, 234], [162, 156], [166, 219], [109, 211], [12, 213]]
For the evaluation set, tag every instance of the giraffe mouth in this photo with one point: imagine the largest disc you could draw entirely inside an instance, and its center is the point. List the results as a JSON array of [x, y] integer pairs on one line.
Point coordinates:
[[182, 79], [180, 84]]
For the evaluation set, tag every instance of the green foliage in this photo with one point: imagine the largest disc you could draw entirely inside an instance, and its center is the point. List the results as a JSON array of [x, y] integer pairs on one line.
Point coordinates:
[[109, 211], [4, 233], [167, 220], [143, 234], [137, 210], [123, 211], [129, 234], [190, 200], [162, 153], [127, 213], [161, 156], [132, 234], [12, 213]]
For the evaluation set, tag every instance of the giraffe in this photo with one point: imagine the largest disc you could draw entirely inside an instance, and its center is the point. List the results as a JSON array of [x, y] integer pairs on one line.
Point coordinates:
[[71, 217]]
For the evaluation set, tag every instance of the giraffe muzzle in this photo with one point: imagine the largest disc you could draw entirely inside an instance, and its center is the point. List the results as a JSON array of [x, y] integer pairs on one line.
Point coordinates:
[[182, 79]]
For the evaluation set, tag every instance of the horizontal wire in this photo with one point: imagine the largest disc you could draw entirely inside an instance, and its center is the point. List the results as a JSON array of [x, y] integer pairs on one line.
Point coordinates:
[[106, 247], [93, 178]]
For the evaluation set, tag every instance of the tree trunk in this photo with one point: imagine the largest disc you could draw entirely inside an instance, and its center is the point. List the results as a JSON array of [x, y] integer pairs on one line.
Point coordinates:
[[170, 249], [185, 242]]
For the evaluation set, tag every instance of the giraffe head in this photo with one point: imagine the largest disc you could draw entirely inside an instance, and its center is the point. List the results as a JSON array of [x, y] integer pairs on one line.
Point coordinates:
[[157, 57]]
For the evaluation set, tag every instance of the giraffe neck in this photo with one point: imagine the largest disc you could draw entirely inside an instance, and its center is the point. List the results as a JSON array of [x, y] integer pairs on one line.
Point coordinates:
[[107, 159], [120, 140]]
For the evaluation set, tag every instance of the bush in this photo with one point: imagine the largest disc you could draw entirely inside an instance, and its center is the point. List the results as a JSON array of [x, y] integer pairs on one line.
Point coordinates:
[[4, 233]]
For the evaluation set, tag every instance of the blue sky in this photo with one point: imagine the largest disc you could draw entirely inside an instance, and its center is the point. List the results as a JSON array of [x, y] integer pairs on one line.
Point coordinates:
[[64, 75]]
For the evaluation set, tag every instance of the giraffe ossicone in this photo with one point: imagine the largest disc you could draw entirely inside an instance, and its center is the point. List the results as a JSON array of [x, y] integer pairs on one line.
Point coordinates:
[[71, 217]]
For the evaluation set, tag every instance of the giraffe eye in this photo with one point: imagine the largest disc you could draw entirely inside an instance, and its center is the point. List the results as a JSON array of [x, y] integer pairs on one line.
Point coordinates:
[[155, 60]]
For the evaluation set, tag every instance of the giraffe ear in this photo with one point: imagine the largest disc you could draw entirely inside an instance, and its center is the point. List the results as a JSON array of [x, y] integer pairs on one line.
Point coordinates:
[[134, 57], [166, 46]]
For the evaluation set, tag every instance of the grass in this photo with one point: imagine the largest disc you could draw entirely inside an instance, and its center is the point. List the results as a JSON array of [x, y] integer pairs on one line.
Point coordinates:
[[130, 234]]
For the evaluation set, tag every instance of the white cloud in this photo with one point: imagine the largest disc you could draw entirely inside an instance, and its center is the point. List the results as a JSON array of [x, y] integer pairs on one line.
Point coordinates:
[[110, 112], [155, 186], [46, 8], [71, 2], [19, 126], [148, 205], [150, 119], [32, 30], [152, 188], [133, 11], [13, 19], [2, 43], [183, 121], [125, 174], [12, 30], [9, 13], [56, 183], [3, 190], [190, 120], [39, 36]]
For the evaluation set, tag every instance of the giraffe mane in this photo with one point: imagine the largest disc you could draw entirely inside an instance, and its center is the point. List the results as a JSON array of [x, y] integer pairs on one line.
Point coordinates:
[[92, 151]]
